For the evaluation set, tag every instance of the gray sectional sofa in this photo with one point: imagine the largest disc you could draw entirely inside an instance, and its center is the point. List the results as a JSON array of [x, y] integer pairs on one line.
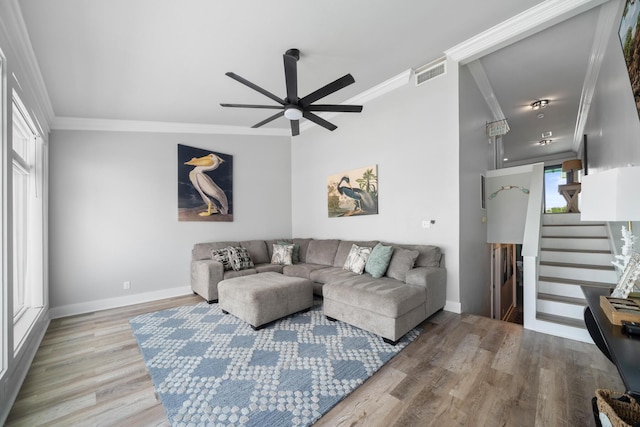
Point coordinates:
[[412, 289]]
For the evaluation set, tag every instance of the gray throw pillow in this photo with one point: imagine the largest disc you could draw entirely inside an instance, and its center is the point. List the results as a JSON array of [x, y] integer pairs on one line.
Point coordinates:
[[239, 258], [295, 256], [401, 262], [378, 261]]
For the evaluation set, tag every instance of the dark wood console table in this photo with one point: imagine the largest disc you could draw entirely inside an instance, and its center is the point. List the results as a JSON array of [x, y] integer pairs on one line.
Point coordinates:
[[623, 351]]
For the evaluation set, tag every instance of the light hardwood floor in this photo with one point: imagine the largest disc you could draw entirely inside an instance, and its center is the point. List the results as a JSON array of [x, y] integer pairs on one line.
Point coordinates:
[[463, 370]]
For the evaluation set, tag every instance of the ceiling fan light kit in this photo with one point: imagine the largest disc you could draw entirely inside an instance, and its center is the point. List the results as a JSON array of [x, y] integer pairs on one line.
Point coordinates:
[[294, 108]]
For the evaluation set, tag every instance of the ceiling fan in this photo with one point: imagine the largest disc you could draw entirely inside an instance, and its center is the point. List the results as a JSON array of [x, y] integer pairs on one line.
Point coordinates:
[[294, 108]]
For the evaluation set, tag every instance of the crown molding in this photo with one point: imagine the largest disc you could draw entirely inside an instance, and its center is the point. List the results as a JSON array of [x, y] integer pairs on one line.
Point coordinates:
[[14, 27], [78, 123], [606, 22], [83, 124], [516, 28]]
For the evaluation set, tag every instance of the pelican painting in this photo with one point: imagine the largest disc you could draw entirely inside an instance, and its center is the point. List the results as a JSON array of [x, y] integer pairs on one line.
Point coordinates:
[[204, 190], [353, 193]]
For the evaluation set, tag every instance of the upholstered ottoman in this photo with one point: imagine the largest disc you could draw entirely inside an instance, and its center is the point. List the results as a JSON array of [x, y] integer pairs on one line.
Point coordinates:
[[262, 298]]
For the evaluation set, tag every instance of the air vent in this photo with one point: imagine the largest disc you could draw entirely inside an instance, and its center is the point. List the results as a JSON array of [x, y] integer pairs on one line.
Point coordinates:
[[430, 71]]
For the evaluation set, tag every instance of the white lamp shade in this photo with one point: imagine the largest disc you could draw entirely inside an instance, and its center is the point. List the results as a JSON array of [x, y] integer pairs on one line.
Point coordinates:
[[611, 195]]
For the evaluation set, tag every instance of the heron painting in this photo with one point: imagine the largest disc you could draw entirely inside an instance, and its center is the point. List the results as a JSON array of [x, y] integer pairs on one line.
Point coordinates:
[[204, 185], [353, 193]]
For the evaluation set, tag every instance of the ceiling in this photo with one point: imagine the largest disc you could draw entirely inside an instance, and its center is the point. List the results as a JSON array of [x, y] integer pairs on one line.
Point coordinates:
[[552, 65], [164, 61]]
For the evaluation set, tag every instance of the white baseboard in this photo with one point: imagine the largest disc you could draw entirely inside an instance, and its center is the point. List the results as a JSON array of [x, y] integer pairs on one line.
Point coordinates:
[[453, 307], [104, 304]]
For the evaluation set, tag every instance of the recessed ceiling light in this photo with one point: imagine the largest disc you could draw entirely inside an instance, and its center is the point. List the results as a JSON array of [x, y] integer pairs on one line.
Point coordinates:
[[546, 135], [505, 159], [540, 116], [542, 103]]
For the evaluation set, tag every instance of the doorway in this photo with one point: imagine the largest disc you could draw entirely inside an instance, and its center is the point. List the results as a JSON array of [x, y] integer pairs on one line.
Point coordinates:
[[553, 200], [507, 295]]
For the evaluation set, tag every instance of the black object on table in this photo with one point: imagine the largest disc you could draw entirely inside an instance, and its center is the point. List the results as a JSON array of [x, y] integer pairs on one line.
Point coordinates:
[[622, 350]]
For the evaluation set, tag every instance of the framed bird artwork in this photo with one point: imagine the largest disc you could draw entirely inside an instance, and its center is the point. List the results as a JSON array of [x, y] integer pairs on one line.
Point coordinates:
[[353, 193], [205, 191]]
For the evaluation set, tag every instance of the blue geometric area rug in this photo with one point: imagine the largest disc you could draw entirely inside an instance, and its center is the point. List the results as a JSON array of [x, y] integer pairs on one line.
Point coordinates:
[[212, 369]]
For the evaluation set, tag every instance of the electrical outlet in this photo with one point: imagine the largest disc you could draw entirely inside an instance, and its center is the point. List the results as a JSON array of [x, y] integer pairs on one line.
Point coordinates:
[[127, 285]]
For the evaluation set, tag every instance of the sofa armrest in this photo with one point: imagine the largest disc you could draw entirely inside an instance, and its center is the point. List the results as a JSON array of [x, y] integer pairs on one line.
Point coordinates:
[[434, 280], [205, 275]]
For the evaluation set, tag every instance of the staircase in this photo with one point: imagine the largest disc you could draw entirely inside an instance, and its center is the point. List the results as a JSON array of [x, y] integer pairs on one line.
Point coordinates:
[[572, 254]]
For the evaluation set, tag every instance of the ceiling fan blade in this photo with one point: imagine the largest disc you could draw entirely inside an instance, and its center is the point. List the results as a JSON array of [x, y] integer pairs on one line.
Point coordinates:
[[291, 75], [327, 90], [257, 88], [295, 127], [336, 108], [275, 107], [319, 120], [269, 119]]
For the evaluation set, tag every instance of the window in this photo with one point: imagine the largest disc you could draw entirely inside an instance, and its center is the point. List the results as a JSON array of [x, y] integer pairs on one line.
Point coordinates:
[[27, 222], [553, 200]]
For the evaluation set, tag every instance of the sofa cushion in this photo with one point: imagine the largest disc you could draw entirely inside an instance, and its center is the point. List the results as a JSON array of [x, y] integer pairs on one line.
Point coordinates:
[[388, 297], [232, 273], [264, 268], [357, 259], [331, 274], [301, 270], [402, 261], [345, 247], [202, 251], [430, 256], [239, 258], [304, 247], [282, 254], [378, 261], [257, 250], [222, 256], [322, 251]]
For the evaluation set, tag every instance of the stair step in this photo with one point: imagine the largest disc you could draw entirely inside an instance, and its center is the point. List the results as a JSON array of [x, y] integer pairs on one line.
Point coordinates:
[[560, 308], [567, 321], [575, 257], [582, 243], [574, 265], [578, 272], [560, 289], [563, 299], [574, 237], [574, 230], [581, 224], [586, 251], [575, 282]]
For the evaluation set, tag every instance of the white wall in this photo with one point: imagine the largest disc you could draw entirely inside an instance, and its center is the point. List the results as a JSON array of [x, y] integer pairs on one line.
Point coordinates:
[[613, 128], [475, 159], [412, 135], [114, 215]]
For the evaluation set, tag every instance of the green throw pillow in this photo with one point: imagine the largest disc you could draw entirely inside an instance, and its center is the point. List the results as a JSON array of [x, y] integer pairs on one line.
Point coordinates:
[[295, 256], [378, 261]]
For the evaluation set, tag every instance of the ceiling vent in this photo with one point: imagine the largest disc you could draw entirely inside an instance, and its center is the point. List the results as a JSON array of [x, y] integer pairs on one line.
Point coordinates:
[[430, 71]]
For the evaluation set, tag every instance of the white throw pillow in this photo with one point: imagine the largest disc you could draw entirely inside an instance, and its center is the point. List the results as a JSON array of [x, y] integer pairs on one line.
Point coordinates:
[[357, 259], [282, 254]]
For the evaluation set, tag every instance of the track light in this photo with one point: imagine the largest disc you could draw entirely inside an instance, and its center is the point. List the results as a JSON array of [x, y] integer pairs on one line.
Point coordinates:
[[545, 142]]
